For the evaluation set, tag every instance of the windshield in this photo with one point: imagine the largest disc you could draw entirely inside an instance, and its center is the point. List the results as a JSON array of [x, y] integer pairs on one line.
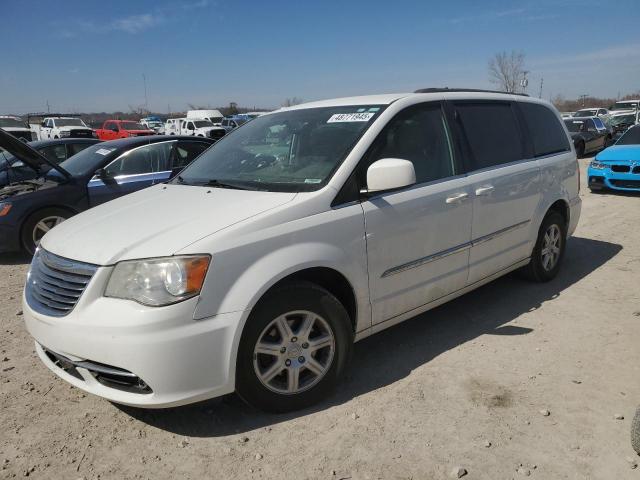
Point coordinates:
[[132, 126], [12, 122], [623, 119], [290, 151], [586, 113], [86, 161], [624, 106], [202, 123], [630, 137], [575, 126], [69, 122]]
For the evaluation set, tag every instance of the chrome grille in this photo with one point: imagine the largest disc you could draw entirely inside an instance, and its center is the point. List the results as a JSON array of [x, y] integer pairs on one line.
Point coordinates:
[[55, 284]]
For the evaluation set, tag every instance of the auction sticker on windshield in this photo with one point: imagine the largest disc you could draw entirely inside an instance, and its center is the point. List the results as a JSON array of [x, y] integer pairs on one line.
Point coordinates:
[[350, 117], [104, 151]]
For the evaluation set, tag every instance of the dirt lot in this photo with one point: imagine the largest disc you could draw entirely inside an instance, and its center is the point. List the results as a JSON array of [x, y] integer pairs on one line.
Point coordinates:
[[420, 398]]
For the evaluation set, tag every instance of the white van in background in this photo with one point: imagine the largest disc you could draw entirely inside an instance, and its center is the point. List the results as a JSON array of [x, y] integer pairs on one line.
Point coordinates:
[[214, 116]]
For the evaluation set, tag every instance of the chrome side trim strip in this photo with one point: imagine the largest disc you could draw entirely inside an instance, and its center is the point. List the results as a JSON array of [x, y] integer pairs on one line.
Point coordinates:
[[430, 258], [493, 235], [451, 251]]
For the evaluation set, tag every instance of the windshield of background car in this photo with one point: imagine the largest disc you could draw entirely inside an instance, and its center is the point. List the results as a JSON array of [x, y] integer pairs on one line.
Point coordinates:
[[585, 113], [290, 151], [202, 123], [576, 126], [132, 126], [87, 160], [623, 119], [624, 106], [69, 122], [630, 137], [12, 122]]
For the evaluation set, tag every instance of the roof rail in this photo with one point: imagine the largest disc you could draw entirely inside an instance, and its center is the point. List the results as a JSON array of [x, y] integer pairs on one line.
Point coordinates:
[[447, 89]]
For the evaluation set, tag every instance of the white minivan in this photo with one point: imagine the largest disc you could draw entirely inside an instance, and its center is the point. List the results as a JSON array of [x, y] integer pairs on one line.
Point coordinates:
[[307, 229]]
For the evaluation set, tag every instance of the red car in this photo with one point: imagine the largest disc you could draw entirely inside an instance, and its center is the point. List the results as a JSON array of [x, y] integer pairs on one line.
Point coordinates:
[[112, 129]]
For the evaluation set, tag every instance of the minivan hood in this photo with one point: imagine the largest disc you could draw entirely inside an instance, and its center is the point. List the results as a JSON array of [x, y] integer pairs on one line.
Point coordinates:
[[155, 222]]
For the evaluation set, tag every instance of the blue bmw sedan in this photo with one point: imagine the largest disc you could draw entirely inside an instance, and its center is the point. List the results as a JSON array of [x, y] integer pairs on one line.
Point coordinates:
[[618, 167]]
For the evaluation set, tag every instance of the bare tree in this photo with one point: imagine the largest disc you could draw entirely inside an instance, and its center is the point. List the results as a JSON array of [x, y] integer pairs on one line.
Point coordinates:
[[290, 102], [507, 71]]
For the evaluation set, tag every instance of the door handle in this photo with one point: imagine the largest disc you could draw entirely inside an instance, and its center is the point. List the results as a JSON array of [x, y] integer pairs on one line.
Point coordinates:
[[484, 190], [457, 198]]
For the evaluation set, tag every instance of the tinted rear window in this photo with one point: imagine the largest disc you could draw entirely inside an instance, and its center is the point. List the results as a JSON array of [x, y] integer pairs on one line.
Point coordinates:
[[492, 131], [547, 134]]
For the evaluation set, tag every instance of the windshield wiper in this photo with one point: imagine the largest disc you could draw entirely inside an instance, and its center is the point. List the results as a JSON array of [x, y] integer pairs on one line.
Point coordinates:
[[234, 186]]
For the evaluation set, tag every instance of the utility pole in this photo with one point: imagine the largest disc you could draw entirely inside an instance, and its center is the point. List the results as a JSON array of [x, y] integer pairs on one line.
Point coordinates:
[[524, 83], [48, 109], [146, 101], [583, 98], [541, 82]]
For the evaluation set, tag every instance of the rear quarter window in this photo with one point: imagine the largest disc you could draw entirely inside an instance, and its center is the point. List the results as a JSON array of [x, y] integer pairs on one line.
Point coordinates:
[[492, 133], [545, 130]]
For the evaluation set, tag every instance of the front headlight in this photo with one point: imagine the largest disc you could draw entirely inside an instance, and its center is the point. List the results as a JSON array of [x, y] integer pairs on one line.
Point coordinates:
[[65, 133], [597, 165], [158, 281], [4, 208]]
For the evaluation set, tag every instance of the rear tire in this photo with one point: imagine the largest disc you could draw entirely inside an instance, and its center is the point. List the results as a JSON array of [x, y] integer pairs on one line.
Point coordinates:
[[549, 249], [35, 227], [293, 349]]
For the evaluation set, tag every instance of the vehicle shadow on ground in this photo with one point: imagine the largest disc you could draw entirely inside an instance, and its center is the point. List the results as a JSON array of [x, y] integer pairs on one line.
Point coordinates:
[[414, 343], [14, 259]]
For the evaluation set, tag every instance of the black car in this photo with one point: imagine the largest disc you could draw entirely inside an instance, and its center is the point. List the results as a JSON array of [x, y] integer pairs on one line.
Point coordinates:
[[589, 134], [13, 170], [99, 173]]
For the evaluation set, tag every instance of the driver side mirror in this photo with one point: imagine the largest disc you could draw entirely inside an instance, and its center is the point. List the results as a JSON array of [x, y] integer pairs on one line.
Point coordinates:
[[389, 174], [103, 175]]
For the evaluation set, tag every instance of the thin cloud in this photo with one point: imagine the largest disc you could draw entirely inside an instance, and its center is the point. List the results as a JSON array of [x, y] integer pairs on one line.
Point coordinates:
[[610, 53], [135, 23], [488, 16]]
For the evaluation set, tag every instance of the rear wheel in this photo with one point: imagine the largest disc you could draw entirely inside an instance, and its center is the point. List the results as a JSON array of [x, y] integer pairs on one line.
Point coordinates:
[[38, 224], [549, 249], [293, 349]]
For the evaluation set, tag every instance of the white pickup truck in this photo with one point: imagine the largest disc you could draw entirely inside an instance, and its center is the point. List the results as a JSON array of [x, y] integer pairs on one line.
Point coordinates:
[[16, 127], [195, 127], [62, 127]]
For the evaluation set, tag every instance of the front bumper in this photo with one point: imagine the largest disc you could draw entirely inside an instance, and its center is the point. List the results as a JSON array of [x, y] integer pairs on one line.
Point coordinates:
[[179, 359], [607, 178]]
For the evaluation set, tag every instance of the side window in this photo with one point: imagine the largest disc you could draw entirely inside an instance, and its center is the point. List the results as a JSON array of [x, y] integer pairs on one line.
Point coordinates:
[[599, 124], [491, 129], [547, 134], [591, 127], [602, 112], [418, 134], [49, 123], [185, 152], [55, 153], [225, 122], [147, 159]]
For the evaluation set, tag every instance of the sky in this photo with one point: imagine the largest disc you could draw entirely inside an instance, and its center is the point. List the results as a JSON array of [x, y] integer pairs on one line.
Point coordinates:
[[90, 56]]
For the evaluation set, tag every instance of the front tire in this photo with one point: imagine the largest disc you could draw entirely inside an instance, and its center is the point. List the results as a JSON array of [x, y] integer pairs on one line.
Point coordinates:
[[38, 224], [580, 149], [549, 249], [293, 349]]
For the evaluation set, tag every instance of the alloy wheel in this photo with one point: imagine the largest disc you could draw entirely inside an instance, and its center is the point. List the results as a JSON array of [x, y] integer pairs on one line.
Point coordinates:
[[43, 226], [294, 352], [551, 245]]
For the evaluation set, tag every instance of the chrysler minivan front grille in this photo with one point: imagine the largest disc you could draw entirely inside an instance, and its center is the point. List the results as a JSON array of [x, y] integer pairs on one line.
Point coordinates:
[[55, 284]]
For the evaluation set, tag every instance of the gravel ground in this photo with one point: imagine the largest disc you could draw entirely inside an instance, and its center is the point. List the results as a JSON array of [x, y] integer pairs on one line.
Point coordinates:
[[512, 380]]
